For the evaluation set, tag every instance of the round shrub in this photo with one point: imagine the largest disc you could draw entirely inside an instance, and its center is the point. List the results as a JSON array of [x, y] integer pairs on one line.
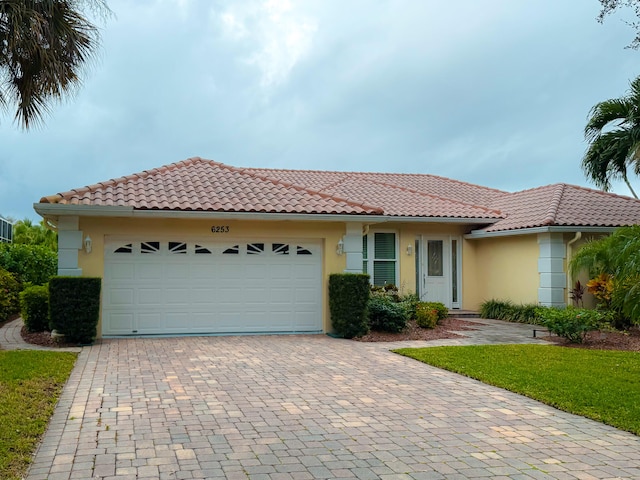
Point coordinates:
[[385, 315], [9, 295], [441, 310], [426, 315], [34, 308]]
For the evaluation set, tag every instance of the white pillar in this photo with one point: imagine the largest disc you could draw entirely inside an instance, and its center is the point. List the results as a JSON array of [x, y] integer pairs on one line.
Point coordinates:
[[69, 242], [552, 276], [353, 247]]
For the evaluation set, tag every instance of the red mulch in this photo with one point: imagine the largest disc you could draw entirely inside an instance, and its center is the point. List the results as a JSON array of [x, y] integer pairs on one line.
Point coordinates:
[[629, 340], [414, 332], [43, 339]]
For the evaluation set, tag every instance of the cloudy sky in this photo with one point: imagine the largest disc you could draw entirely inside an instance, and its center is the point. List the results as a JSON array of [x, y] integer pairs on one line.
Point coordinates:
[[493, 92]]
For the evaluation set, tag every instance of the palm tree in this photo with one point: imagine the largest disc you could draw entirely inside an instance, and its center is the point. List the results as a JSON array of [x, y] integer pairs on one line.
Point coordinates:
[[613, 131], [44, 45], [29, 233]]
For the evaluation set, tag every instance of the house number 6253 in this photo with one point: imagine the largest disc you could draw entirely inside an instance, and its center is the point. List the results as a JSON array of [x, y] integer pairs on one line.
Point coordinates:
[[220, 229]]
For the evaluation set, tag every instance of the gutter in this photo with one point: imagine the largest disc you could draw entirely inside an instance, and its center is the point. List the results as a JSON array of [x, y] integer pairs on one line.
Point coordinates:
[[56, 210], [534, 230]]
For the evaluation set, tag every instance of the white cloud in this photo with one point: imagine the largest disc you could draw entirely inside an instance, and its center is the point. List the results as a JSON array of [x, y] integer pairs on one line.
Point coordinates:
[[276, 35]]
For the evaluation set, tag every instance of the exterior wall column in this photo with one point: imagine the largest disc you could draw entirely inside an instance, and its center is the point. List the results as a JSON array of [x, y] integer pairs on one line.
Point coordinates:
[[553, 279], [69, 242], [353, 247]]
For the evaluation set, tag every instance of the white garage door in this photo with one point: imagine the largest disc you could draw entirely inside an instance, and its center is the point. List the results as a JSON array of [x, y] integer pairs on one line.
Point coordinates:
[[179, 286]]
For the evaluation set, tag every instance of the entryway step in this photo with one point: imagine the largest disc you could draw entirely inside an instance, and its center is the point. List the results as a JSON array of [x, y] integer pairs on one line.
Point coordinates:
[[463, 314]]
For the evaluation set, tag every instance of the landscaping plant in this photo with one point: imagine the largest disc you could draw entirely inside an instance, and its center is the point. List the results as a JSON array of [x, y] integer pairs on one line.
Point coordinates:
[[348, 297], [74, 307], [386, 315], [426, 315], [570, 322], [34, 308], [9, 295]]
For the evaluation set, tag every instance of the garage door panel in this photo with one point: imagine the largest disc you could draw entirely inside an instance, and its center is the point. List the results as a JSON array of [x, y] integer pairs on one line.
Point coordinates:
[[149, 271], [274, 289], [120, 271]]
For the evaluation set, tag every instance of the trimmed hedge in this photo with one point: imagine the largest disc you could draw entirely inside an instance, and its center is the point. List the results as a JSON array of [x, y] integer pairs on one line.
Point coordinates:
[[385, 315], [9, 295], [33, 264], [34, 308], [74, 307], [348, 297]]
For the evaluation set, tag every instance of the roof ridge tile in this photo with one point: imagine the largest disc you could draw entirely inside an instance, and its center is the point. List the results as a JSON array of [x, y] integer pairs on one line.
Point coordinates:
[[554, 205], [431, 195], [373, 209]]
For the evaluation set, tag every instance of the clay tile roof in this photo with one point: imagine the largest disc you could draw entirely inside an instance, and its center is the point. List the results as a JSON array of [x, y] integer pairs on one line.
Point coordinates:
[[197, 184], [564, 205]]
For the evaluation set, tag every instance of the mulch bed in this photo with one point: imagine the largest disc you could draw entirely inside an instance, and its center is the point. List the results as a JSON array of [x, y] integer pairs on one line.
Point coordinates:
[[43, 339], [628, 341], [414, 332]]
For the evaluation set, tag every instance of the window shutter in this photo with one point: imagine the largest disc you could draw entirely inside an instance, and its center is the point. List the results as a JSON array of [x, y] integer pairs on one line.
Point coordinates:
[[385, 246]]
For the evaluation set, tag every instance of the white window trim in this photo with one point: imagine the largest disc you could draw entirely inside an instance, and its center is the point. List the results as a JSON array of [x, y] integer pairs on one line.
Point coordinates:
[[371, 249]]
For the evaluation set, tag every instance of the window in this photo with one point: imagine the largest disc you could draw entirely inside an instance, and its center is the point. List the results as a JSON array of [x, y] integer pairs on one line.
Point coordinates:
[[149, 247], [128, 248], [6, 230], [177, 247], [280, 248], [303, 251], [379, 255], [435, 260], [235, 250], [202, 250], [255, 248]]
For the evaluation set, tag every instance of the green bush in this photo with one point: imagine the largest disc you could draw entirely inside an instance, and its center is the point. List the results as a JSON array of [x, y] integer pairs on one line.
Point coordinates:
[[348, 296], [496, 309], [409, 303], [385, 315], [9, 295], [570, 322], [508, 311], [441, 310], [426, 315], [30, 263], [34, 308], [74, 307]]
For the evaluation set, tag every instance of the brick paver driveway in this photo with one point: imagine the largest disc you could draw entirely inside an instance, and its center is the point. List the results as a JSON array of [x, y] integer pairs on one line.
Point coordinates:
[[283, 407]]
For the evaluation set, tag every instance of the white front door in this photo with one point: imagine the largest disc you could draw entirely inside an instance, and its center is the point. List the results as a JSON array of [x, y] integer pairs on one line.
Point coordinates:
[[438, 270]]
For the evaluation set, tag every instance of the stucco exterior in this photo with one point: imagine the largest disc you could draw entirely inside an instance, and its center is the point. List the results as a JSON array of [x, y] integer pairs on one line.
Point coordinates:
[[502, 268]]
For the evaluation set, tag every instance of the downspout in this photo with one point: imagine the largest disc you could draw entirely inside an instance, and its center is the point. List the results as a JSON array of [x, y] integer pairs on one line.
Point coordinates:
[[577, 237]]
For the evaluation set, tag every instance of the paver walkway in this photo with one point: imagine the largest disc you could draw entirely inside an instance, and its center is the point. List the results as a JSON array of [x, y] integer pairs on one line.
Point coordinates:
[[304, 407]]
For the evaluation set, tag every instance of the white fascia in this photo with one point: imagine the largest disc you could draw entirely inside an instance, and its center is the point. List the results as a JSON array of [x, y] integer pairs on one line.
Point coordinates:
[[55, 210], [536, 230]]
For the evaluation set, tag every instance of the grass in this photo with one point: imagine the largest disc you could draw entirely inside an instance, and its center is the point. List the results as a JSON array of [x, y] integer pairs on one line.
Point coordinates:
[[603, 385], [30, 384]]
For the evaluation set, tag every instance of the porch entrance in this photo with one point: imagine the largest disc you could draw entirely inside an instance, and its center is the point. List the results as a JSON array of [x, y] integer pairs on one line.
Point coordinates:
[[438, 269]]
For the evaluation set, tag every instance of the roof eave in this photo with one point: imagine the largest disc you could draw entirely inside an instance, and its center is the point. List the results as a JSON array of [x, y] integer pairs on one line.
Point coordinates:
[[535, 230], [56, 209]]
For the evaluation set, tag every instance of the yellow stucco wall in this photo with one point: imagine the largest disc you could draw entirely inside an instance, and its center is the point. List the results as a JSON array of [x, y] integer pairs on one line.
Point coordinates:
[[500, 268], [92, 264], [504, 267]]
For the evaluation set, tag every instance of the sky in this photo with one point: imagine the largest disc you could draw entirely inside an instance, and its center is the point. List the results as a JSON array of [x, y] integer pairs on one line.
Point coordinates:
[[495, 93]]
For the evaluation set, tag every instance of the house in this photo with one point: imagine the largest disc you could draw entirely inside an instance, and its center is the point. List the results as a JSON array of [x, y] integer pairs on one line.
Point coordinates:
[[6, 231], [199, 247]]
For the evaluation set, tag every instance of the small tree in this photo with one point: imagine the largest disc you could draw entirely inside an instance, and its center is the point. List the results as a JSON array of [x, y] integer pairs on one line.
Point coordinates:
[[614, 259]]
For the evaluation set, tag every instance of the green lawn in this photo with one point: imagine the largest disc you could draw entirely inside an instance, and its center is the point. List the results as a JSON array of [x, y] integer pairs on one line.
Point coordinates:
[[30, 384], [600, 384]]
